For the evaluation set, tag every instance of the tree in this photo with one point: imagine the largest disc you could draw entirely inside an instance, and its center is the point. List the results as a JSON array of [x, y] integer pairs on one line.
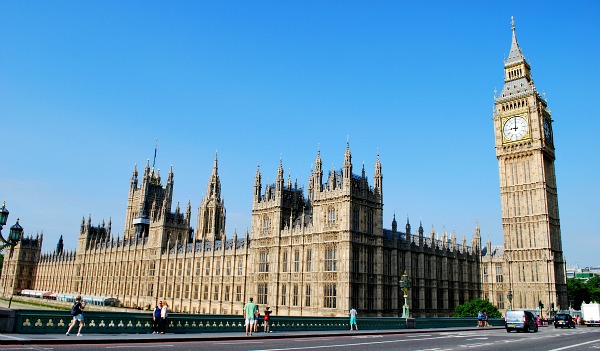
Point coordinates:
[[593, 285], [471, 308], [578, 292]]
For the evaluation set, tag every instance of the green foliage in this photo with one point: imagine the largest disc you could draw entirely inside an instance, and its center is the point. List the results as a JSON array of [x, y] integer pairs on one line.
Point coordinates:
[[593, 285], [471, 308], [578, 292]]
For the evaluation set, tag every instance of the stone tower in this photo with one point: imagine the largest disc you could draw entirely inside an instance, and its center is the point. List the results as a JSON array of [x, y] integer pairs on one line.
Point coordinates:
[[211, 214], [530, 222]]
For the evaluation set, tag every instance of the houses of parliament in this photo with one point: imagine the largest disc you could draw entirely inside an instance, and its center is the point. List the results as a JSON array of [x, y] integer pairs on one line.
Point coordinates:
[[322, 251]]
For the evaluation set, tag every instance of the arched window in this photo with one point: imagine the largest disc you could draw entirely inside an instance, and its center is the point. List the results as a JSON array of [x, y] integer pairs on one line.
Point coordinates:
[[331, 215]]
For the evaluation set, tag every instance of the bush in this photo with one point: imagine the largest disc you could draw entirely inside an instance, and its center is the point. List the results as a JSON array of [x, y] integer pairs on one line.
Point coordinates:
[[471, 308]]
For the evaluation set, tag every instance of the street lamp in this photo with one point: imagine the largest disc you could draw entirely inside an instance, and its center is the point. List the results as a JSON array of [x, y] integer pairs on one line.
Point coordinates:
[[14, 235], [510, 296], [405, 286]]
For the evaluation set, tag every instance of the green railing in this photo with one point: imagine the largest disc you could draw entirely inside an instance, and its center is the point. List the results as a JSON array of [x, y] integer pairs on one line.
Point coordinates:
[[36, 321]]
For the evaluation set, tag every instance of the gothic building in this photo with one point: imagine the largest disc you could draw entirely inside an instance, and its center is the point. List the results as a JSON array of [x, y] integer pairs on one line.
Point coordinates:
[[314, 254], [530, 268]]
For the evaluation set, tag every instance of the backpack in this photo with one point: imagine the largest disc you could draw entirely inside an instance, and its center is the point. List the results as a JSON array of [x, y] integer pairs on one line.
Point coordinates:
[[75, 310]]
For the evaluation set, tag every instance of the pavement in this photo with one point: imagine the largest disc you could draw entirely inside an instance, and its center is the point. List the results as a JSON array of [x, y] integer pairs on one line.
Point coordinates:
[[50, 339]]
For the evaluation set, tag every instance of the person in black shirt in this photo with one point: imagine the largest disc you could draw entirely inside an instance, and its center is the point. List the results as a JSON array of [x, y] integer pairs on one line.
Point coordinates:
[[77, 313]]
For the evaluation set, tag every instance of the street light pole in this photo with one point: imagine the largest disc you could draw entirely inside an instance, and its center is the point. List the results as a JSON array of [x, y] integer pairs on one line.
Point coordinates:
[[14, 237], [405, 286]]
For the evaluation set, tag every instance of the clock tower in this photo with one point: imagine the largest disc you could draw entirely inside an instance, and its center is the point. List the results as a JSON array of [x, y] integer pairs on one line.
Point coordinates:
[[534, 267]]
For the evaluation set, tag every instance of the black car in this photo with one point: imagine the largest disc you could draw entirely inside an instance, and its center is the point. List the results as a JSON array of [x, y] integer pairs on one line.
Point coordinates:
[[520, 321], [564, 320]]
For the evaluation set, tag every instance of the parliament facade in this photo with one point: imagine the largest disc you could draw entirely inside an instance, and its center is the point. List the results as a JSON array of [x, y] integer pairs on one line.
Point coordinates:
[[318, 254]]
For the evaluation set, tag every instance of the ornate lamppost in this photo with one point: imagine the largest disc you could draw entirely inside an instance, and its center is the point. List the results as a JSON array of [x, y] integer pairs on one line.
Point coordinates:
[[14, 235], [510, 296], [405, 286]]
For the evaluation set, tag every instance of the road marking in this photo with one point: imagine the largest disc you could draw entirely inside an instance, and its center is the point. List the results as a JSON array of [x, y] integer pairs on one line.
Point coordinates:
[[12, 337], [350, 344], [477, 339], [237, 343], [572, 346], [136, 346]]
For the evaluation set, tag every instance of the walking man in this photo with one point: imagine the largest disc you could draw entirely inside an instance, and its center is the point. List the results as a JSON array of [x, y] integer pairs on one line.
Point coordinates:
[[250, 310], [353, 319]]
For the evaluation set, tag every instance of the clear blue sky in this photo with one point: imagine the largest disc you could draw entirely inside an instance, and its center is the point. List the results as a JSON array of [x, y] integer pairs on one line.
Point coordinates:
[[87, 86]]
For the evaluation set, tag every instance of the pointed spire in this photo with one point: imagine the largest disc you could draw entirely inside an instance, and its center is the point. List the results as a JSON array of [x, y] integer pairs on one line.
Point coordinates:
[[347, 161], [134, 176], [213, 187], [147, 168], [171, 175], [257, 184], [378, 175], [515, 54], [216, 163], [279, 181]]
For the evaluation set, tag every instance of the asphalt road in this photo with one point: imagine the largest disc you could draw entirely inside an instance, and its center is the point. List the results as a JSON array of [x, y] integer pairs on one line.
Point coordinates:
[[547, 339]]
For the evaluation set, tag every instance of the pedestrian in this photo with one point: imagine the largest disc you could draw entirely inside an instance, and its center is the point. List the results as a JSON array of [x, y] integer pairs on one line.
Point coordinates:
[[77, 313], [267, 320], [353, 319], [164, 313], [479, 319], [485, 319], [249, 311], [256, 319], [156, 318]]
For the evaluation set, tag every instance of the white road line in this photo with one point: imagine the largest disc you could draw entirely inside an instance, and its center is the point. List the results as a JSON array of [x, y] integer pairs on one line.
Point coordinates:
[[12, 337], [136, 346], [572, 346], [349, 344]]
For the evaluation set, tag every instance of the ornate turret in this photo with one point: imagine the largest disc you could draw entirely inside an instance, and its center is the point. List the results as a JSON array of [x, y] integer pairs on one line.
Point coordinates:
[[279, 181], [347, 164], [211, 213], [318, 176], [60, 246], [257, 184], [378, 176]]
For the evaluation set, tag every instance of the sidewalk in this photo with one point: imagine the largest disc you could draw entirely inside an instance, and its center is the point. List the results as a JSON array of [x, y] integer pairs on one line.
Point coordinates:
[[50, 339]]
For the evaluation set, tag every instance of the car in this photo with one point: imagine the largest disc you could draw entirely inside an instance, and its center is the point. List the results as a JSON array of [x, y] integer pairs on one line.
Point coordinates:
[[564, 320], [520, 320]]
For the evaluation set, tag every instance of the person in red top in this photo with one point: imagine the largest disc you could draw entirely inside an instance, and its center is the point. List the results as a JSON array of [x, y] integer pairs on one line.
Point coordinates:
[[267, 320]]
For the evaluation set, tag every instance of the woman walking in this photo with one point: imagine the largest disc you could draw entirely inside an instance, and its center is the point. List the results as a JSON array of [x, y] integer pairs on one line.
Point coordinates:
[[164, 313], [77, 313]]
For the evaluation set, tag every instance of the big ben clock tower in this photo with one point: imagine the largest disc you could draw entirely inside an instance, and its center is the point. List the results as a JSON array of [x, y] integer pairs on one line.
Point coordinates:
[[534, 269]]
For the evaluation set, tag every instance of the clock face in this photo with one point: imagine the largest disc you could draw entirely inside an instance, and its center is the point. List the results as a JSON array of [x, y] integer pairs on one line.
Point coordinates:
[[515, 128], [547, 130]]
